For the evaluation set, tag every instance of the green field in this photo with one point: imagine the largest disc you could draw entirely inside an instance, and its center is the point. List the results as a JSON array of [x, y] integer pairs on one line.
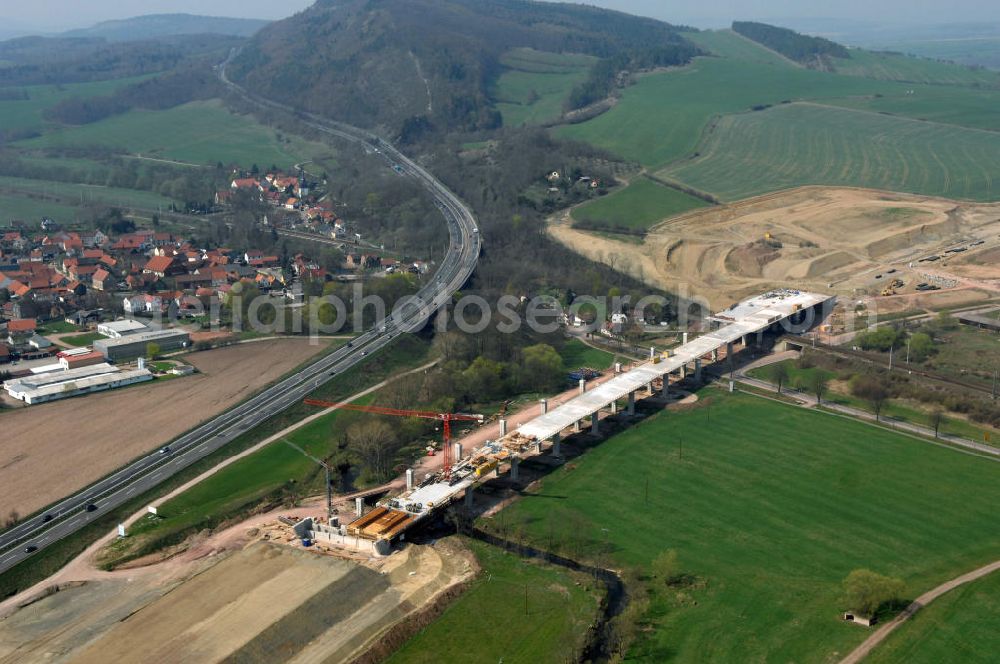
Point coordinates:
[[728, 44], [897, 67], [694, 124], [799, 144], [576, 354], [535, 84], [26, 208], [769, 508], [638, 206], [27, 113], [198, 132], [966, 107], [492, 623], [82, 194], [961, 626], [663, 116], [983, 51]]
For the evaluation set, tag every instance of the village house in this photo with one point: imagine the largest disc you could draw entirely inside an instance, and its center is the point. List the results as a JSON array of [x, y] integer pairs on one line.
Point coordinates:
[[103, 280]]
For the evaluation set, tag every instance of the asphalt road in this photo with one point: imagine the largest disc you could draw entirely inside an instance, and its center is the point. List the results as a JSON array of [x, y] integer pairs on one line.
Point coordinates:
[[70, 514]]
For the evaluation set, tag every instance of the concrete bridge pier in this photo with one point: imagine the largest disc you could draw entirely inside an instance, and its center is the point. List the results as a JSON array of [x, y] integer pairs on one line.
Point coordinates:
[[577, 427], [614, 406], [503, 427], [583, 386], [715, 354], [409, 479], [631, 403], [359, 506], [665, 388], [697, 370], [684, 371], [595, 423], [545, 406], [649, 388], [468, 497], [514, 469], [556, 440]]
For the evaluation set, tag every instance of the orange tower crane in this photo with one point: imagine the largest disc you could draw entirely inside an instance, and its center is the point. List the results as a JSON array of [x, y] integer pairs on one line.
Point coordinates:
[[446, 418]]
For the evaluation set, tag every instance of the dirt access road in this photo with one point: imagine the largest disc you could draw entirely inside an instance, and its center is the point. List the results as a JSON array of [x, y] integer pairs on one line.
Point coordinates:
[[50, 450], [885, 630]]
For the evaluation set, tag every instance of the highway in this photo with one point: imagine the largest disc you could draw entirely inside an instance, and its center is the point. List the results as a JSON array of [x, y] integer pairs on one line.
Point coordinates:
[[71, 514]]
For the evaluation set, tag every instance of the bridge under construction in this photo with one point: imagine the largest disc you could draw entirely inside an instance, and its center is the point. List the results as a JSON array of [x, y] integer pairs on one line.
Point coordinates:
[[780, 310]]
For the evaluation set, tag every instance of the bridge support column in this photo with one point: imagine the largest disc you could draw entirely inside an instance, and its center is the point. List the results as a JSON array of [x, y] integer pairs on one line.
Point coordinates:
[[697, 370], [744, 341], [715, 354], [684, 371], [545, 406], [729, 354], [503, 427], [614, 407], [684, 338], [456, 452], [631, 403], [514, 469], [665, 388], [468, 497], [649, 388], [409, 479], [359, 506], [595, 422], [583, 386], [618, 367], [577, 426], [556, 440]]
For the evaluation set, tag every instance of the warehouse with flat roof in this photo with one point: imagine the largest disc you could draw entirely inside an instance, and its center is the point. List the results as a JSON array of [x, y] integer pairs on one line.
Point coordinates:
[[136, 345], [117, 329], [63, 384]]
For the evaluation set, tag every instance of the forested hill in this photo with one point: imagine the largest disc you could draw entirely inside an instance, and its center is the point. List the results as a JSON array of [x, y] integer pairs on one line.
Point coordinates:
[[413, 65], [811, 51], [164, 25]]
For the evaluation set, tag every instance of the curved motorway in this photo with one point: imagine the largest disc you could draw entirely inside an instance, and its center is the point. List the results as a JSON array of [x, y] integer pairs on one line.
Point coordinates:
[[70, 514]]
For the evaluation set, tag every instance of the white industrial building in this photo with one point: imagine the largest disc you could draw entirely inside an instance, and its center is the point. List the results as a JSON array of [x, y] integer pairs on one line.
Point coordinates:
[[120, 328], [63, 384]]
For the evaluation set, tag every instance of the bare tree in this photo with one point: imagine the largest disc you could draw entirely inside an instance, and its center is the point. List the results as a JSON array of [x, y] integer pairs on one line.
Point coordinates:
[[872, 389], [818, 382], [375, 442], [778, 374], [936, 419]]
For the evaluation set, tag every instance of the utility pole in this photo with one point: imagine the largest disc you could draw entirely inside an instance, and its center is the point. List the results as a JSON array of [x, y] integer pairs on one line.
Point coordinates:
[[326, 469]]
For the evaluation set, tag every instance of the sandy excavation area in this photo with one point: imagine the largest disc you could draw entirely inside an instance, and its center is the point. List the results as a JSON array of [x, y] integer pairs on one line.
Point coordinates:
[[50, 450], [827, 239], [268, 601]]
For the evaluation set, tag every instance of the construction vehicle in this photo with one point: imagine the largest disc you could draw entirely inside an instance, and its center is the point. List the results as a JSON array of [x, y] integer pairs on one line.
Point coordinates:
[[891, 287]]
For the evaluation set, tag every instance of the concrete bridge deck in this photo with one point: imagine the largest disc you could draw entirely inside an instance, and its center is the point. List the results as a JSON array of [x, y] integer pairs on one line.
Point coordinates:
[[750, 317]]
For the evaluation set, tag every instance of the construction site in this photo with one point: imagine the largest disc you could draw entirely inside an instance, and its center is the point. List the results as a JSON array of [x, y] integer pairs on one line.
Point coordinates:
[[387, 522]]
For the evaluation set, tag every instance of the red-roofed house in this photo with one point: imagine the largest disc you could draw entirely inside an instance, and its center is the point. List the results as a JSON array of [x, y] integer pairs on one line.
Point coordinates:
[[103, 281], [20, 330], [250, 184], [162, 266]]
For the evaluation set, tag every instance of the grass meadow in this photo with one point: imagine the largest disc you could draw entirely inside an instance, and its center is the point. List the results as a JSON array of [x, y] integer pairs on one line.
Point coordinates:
[[198, 132], [638, 206], [769, 507], [535, 84]]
